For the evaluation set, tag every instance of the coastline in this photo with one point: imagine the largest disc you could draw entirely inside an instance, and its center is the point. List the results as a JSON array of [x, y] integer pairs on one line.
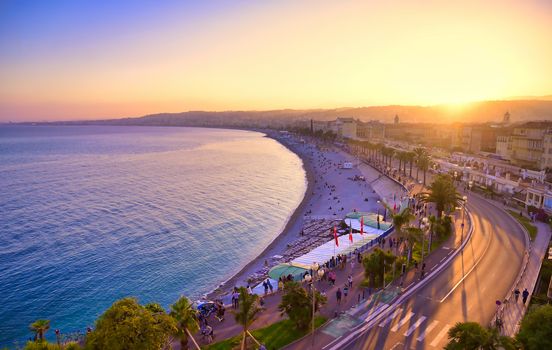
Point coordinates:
[[285, 236], [378, 187]]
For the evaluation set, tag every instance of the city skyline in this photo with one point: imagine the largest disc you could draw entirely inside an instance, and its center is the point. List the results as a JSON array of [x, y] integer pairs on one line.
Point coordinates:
[[70, 61]]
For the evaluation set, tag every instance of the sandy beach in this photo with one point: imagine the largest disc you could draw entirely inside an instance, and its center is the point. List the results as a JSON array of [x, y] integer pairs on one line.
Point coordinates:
[[331, 194]]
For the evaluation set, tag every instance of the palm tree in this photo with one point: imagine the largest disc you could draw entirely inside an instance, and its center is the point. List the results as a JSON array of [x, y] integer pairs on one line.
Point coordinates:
[[379, 150], [401, 219], [423, 164], [413, 235], [186, 319], [374, 267], [443, 193], [247, 311], [410, 156], [419, 153], [40, 327]]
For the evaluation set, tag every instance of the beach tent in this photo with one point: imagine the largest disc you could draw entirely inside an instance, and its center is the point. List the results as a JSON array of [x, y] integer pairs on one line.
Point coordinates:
[[324, 253], [287, 269], [370, 221]]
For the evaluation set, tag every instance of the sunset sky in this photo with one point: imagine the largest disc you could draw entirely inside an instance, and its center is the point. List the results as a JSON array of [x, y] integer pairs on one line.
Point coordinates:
[[96, 59]]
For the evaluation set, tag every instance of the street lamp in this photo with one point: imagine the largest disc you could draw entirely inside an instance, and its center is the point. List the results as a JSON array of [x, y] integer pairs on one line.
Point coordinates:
[[455, 175], [465, 200], [315, 271], [424, 226]]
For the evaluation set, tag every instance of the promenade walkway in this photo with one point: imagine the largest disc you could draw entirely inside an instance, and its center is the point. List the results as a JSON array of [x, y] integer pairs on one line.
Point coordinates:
[[513, 310]]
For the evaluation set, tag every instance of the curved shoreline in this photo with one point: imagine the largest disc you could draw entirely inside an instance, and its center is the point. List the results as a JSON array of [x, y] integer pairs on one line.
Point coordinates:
[[282, 237]]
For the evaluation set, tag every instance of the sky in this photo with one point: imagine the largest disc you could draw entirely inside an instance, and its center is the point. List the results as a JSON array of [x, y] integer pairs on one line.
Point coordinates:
[[68, 60]]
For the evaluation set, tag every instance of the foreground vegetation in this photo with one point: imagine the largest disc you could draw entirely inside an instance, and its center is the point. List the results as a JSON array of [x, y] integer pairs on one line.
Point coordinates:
[[275, 336], [535, 334]]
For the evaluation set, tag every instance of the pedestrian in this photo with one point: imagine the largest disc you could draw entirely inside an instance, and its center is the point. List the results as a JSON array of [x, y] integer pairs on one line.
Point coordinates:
[[525, 295], [280, 284], [415, 264], [249, 290], [516, 294], [220, 312], [208, 333], [270, 286], [338, 296], [350, 281], [235, 299], [265, 286], [345, 292]]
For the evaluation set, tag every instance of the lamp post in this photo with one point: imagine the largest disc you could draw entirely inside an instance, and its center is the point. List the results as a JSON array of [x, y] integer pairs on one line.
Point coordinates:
[[308, 278], [424, 226], [465, 199], [455, 175]]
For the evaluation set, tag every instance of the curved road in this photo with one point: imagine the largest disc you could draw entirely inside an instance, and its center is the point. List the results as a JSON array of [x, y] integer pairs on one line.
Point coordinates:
[[464, 291]]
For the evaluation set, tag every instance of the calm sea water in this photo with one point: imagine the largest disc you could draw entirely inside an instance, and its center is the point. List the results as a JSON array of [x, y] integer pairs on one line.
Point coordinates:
[[90, 214]]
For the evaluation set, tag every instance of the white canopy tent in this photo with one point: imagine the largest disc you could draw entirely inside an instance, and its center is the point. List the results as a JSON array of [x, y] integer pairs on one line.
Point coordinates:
[[324, 253], [355, 224]]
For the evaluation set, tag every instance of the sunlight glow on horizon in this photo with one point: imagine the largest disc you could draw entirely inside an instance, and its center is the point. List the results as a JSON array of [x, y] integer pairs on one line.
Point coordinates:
[[67, 62]]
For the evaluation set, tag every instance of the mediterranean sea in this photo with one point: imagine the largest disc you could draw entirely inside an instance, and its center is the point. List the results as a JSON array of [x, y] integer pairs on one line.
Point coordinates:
[[91, 214]]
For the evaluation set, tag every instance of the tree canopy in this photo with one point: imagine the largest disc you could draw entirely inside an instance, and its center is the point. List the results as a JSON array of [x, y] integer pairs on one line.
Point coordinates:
[[374, 267], [40, 327], [297, 304], [472, 336], [186, 320], [129, 325], [442, 193], [536, 329]]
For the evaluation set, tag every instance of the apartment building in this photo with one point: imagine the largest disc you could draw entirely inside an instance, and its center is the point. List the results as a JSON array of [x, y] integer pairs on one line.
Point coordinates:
[[528, 145]]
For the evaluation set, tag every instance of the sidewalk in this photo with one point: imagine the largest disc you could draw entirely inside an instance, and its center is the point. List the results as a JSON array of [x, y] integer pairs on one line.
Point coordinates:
[[513, 311]]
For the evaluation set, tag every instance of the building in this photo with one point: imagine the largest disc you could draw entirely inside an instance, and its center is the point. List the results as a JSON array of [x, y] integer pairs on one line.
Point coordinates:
[[373, 131], [540, 197], [345, 127], [477, 138], [504, 146], [546, 160], [528, 145]]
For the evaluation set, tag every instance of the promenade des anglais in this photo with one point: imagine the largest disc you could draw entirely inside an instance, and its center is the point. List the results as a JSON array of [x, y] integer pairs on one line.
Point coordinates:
[[232, 175]]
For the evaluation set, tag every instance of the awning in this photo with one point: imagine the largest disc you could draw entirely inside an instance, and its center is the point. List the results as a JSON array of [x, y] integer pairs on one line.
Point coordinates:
[[324, 253], [286, 269]]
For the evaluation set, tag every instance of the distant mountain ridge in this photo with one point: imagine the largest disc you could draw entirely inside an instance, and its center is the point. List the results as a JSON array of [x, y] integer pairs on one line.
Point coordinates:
[[477, 112]]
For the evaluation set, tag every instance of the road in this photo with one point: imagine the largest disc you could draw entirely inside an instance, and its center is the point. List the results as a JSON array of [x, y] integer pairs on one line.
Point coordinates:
[[465, 291]]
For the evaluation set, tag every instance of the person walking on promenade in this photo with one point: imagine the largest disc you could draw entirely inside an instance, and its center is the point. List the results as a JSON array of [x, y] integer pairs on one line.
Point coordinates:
[[338, 296], [270, 286], [516, 294], [525, 295], [345, 291], [350, 281], [265, 285], [235, 299]]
